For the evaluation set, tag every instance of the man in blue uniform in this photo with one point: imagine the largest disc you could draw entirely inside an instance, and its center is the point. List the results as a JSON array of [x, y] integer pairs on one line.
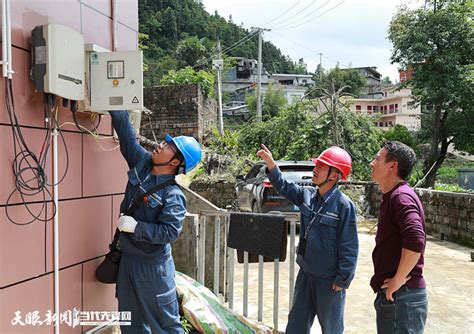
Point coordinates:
[[145, 283], [328, 247]]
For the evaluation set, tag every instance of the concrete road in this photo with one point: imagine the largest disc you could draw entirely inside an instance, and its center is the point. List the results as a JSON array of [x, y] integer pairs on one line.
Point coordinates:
[[448, 270]]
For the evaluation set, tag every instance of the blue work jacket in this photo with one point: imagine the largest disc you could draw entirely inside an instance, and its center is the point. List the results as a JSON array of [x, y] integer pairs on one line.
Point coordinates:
[[160, 218], [332, 246]]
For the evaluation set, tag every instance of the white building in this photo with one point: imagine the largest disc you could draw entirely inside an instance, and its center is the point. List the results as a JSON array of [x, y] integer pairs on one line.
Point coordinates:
[[242, 79], [395, 107]]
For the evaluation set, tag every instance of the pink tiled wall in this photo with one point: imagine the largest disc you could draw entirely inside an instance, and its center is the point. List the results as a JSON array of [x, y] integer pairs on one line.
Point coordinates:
[[89, 195]]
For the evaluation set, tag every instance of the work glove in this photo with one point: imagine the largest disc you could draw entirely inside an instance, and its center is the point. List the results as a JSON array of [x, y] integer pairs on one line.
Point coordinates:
[[126, 224]]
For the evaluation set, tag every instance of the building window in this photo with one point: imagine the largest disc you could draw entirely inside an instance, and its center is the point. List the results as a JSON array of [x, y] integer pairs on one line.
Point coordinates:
[[358, 108]]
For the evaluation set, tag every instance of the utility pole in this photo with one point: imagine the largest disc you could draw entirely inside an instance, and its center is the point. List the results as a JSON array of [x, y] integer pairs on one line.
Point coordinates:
[[259, 77], [218, 64], [320, 65]]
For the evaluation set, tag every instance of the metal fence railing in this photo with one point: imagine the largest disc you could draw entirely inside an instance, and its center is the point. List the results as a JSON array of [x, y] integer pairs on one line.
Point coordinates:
[[219, 221]]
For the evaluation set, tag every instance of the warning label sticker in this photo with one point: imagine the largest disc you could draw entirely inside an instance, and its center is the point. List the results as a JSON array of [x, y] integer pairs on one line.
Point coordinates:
[[135, 100]]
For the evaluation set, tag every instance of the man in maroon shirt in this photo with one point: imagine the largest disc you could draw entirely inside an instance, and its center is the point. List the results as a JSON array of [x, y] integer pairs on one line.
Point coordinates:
[[401, 304]]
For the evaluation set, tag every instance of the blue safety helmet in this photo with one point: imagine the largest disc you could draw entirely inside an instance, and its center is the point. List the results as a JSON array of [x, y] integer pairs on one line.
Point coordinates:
[[189, 148]]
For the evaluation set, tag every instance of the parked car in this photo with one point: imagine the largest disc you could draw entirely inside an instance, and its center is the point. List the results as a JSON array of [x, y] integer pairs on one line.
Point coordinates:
[[256, 193]]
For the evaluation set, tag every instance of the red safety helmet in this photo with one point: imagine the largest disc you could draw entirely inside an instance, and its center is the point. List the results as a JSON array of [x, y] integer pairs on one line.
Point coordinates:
[[338, 158]]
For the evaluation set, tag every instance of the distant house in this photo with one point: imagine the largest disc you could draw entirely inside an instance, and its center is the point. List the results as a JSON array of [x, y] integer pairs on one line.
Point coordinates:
[[395, 107], [294, 86], [374, 82], [242, 79]]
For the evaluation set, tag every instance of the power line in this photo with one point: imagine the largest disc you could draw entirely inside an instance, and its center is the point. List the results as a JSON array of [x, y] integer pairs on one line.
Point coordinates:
[[303, 17], [282, 14], [228, 49], [299, 12], [314, 18], [311, 50]]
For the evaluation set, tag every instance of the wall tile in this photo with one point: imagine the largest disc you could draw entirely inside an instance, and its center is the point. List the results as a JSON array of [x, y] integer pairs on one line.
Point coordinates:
[[96, 296], [70, 296], [84, 230], [30, 296], [127, 39], [71, 184], [104, 171], [96, 28], [26, 14], [127, 12], [103, 6], [22, 248], [117, 200]]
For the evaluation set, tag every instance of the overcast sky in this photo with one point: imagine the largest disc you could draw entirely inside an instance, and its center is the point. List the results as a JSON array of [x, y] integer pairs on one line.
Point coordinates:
[[353, 32]]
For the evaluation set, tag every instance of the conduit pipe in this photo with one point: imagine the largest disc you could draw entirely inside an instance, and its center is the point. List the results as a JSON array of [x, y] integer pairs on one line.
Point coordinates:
[[9, 40], [56, 229], [115, 25], [4, 39]]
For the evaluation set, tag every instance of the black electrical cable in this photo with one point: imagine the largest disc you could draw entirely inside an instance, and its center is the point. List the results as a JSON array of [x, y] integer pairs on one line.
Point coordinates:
[[29, 170], [81, 128]]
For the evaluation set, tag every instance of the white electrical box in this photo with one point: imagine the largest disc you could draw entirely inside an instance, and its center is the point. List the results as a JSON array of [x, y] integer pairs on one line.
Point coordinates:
[[116, 80], [57, 65]]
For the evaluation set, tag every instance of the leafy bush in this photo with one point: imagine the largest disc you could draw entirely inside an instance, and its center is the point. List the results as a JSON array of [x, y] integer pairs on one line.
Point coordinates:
[[449, 187], [447, 175], [188, 75]]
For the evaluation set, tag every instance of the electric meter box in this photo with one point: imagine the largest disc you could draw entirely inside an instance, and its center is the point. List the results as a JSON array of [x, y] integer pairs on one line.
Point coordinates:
[[57, 61], [116, 80]]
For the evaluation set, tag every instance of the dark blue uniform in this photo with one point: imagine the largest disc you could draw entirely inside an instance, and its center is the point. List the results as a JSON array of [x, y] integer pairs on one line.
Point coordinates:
[[330, 255], [145, 284]]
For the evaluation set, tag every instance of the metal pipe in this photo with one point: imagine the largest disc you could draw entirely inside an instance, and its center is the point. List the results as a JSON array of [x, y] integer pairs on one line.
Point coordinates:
[[115, 25], [202, 249], [9, 40], [230, 277], [56, 228], [246, 283], [260, 287], [4, 39], [292, 261], [217, 241], [276, 286], [219, 99]]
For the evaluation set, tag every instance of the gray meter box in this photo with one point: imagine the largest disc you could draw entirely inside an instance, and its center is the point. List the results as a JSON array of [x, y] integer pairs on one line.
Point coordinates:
[[116, 80], [57, 61]]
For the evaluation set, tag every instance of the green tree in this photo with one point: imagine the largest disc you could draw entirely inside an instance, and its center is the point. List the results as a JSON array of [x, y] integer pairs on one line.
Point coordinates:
[[297, 133], [189, 76], [191, 49], [401, 134], [335, 79], [332, 89], [168, 21], [386, 80], [438, 42], [273, 101]]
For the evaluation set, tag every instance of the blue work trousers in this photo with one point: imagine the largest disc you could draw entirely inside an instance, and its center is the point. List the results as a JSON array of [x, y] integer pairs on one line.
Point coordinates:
[[316, 298], [146, 287], [407, 314]]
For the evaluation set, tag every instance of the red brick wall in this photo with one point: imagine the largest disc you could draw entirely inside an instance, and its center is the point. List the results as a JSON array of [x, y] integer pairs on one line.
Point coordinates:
[[90, 194]]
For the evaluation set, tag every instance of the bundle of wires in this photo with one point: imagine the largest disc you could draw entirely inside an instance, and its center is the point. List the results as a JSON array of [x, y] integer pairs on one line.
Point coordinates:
[[28, 168]]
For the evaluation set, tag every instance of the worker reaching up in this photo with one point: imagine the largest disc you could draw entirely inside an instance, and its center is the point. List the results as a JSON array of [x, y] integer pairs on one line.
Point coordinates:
[[328, 246], [145, 283]]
